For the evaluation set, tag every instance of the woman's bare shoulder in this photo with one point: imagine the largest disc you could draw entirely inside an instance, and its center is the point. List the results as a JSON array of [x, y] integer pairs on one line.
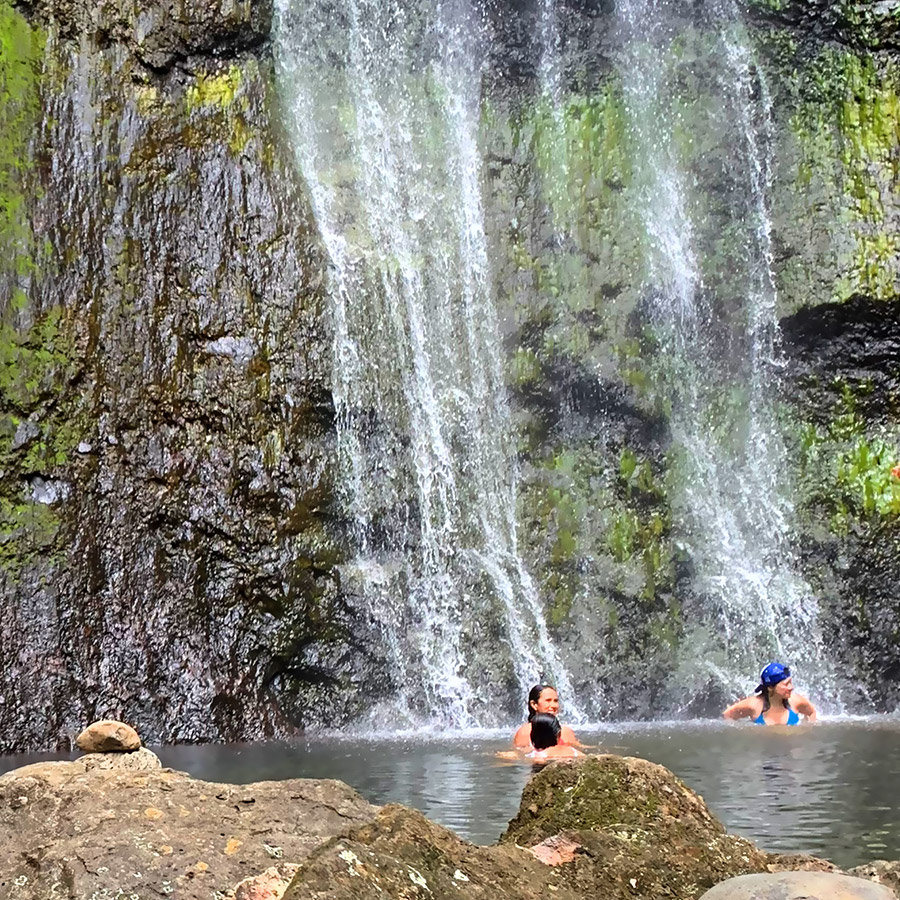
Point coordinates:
[[522, 737]]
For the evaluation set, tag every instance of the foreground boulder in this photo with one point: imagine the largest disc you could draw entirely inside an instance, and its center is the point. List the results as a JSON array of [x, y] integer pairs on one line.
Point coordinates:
[[606, 827], [108, 736], [799, 886], [641, 831], [73, 832], [403, 855], [881, 871], [602, 827]]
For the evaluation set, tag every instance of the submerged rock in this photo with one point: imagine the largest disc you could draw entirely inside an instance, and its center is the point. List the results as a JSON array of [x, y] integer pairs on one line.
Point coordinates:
[[98, 832], [108, 736], [798, 886]]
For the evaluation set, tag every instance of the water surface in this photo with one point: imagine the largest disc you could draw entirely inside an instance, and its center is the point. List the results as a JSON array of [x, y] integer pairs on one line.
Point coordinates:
[[830, 790]]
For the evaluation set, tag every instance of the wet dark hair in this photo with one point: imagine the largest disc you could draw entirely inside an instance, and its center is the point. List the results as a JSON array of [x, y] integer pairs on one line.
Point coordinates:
[[534, 695], [545, 731]]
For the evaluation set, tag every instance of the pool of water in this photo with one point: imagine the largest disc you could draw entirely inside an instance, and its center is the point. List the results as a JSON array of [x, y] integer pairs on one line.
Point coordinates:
[[831, 790]]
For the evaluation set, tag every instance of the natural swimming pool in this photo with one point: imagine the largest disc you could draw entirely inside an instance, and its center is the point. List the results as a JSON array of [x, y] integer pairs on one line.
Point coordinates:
[[832, 790]]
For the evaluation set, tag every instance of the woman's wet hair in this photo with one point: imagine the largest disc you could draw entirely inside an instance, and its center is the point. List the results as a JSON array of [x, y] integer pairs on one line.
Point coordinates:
[[534, 695], [545, 731]]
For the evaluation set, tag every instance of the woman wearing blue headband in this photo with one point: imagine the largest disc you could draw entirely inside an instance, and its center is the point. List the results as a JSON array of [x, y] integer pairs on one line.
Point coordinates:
[[774, 702]]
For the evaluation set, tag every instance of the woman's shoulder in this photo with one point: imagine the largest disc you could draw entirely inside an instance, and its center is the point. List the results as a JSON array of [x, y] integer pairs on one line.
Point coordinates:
[[522, 737]]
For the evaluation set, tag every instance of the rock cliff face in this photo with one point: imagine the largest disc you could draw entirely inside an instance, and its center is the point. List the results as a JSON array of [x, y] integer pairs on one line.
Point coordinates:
[[166, 528], [169, 529]]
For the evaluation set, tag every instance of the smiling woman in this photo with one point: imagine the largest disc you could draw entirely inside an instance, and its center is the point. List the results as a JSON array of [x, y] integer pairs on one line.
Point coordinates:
[[543, 699], [775, 685]]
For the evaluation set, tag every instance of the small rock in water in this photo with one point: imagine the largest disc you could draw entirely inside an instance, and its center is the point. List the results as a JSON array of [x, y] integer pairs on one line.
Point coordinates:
[[797, 885], [108, 736], [85, 447]]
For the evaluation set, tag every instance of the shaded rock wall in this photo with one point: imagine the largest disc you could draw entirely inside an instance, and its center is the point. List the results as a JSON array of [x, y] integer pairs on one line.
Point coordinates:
[[166, 531]]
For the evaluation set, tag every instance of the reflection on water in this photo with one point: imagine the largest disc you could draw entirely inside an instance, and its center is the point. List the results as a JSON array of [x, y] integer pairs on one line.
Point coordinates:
[[830, 790]]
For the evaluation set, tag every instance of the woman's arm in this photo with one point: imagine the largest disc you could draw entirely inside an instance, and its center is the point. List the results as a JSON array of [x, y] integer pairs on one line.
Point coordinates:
[[567, 736], [743, 709], [804, 707]]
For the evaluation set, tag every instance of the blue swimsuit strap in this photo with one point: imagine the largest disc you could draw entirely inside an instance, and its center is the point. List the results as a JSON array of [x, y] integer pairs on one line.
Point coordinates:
[[793, 718]]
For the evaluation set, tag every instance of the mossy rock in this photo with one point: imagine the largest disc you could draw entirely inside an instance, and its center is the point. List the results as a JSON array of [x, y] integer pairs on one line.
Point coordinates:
[[402, 855], [626, 796], [639, 828]]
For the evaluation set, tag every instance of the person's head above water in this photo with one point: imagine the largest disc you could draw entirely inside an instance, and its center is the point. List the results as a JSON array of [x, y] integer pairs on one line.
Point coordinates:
[[775, 680], [545, 731], [542, 698]]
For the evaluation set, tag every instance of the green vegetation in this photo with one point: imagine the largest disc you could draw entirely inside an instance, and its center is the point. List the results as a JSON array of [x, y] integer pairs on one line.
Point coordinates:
[[21, 48], [222, 95], [848, 130], [214, 89], [846, 471]]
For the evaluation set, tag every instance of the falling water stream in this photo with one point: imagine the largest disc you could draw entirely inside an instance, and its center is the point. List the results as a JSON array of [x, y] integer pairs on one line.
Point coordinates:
[[720, 365], [384, 103], [383, 100]]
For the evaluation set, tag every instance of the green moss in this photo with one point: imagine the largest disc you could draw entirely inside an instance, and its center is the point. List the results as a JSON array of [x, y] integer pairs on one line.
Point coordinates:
[[217, 89], [36, 368], [21, 48], [222, 96], [848, 130]]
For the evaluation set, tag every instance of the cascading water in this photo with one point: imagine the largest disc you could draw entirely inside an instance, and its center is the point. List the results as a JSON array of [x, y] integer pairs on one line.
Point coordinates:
[[718, 358], [383, 99]]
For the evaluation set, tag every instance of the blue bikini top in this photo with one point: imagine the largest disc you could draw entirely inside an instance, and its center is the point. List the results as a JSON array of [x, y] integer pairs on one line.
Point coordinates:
[[793, 718]]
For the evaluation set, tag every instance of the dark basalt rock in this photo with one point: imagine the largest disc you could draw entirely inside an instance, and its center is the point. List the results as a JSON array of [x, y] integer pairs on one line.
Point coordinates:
[[169, 539], [160, 34], [837, 345]]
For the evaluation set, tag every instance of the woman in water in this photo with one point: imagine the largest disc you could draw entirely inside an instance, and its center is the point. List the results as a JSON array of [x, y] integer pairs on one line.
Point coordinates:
[[543, 698], [545, 738], [774, 702]]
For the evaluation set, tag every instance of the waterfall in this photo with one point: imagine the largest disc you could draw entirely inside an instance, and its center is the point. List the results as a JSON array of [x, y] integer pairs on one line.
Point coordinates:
[[718, 357], [383, 101]]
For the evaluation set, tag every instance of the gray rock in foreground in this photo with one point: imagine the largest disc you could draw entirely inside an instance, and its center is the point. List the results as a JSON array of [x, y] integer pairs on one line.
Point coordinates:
[[68, 832], [798, 886]]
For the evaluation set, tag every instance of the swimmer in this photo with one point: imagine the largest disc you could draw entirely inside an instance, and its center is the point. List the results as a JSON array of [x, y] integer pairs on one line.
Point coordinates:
[[542, 698], [545, 738], [774, 702]]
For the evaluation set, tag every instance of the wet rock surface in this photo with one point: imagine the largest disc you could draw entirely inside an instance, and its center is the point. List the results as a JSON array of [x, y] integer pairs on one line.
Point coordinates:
[[72, 833], [167, 530]]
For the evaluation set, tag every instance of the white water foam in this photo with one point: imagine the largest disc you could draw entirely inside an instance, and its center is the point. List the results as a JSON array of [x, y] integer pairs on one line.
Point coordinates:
[[384, 106]]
